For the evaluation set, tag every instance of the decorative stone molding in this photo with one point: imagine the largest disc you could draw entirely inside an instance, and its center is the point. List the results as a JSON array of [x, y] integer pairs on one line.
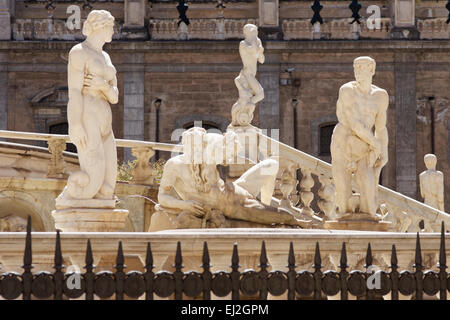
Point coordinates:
[[294, 29], [434, 28], [209, 29], [56, 166]]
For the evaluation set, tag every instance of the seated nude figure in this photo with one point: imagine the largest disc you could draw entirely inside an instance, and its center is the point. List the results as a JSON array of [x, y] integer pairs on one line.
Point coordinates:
[[192, 194], [359, 144], [250, 90], [92, 87], [432, 183]]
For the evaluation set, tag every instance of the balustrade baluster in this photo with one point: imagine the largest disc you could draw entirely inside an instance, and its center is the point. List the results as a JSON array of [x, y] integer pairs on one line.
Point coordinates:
[[306, 184]]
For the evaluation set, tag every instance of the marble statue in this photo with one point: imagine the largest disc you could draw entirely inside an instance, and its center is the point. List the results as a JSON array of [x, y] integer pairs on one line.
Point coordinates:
[[250, 90], [432, 183], [359, 144], [193, 195], [92, 86]]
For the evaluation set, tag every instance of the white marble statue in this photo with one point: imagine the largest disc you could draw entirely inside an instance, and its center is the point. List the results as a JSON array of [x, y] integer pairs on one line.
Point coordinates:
[[432, 183], [359, 144], [250, 90], [193, 195], [92, 86]]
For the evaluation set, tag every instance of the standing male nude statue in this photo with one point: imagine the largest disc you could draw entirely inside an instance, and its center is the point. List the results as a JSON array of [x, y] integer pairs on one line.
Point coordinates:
[[250, 90], [359, 144]]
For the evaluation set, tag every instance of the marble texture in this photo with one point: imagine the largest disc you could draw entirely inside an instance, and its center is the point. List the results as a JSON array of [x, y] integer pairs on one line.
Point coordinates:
[[191, 187], [250, 90], [359, 144], [432, 183], [92, 86]]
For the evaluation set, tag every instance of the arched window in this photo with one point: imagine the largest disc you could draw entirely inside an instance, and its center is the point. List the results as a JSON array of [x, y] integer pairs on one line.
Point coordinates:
[[63, 128], [325, 133]]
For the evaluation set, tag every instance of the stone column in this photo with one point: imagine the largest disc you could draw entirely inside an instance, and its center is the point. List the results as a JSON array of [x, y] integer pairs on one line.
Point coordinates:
[[3, 91], [133, 102], [5, 20], [269, 107], [405, 119]]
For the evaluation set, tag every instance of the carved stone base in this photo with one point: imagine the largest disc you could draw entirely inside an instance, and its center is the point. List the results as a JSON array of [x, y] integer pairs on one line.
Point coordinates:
[[63, 203], [90, 220], [358, 221]]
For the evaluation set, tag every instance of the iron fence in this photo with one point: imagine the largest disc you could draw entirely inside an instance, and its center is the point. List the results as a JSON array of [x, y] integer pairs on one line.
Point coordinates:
[[248, 283]]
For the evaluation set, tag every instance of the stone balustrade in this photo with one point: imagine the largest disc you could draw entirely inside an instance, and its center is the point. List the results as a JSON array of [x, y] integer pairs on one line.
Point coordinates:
[[406, 214], [142, 172]]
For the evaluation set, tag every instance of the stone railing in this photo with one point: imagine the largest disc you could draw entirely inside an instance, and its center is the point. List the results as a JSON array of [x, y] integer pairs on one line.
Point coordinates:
[[142, 172], [434, 28], [298, 29], [406, 214], [207, 29]]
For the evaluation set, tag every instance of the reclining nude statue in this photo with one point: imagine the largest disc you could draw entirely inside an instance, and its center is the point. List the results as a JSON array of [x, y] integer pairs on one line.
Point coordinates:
[[359, 144], [192, 194], [250, 90], [92, 86]]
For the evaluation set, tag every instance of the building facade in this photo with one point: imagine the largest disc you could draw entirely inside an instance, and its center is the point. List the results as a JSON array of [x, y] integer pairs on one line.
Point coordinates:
[[171, 75]]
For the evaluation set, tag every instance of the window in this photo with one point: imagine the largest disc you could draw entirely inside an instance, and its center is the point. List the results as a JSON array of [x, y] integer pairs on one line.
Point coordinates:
[[63, 128], [325, 133]]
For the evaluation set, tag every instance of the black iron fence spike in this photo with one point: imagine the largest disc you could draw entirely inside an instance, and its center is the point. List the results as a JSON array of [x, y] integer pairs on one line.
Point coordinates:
[[205, 258], [120, 259], [317, 258], [343, 261], [178, 257], [394, 260], [28, 256], [369, 258], [149, 257], [442, 253], [263, 262], [235, 256], [89, 258], [418, 258], [291, 257], [58, 254]]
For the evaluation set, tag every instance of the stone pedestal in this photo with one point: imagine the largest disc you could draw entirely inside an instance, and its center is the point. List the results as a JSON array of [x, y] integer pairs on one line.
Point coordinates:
[[90, 219], [357, 221], [249, 154]]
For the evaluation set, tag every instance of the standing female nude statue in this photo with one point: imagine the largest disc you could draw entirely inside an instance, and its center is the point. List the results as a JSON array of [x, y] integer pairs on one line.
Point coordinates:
[[92, 86]]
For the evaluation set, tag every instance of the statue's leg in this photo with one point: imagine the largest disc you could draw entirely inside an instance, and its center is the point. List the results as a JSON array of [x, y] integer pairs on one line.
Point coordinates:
[[92, 160], [342, 179], [260, 179], [107, 189], [256, 88], [365, 178]]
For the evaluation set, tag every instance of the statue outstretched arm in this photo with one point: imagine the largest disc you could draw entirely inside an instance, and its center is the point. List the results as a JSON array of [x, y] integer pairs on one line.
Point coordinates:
[[75, 78]]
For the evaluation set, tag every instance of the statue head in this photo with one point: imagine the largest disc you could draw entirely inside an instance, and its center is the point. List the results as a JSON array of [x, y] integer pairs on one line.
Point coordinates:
[[99, 22], [250, 31], [364, 68], [194, 143], [430, 161]]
